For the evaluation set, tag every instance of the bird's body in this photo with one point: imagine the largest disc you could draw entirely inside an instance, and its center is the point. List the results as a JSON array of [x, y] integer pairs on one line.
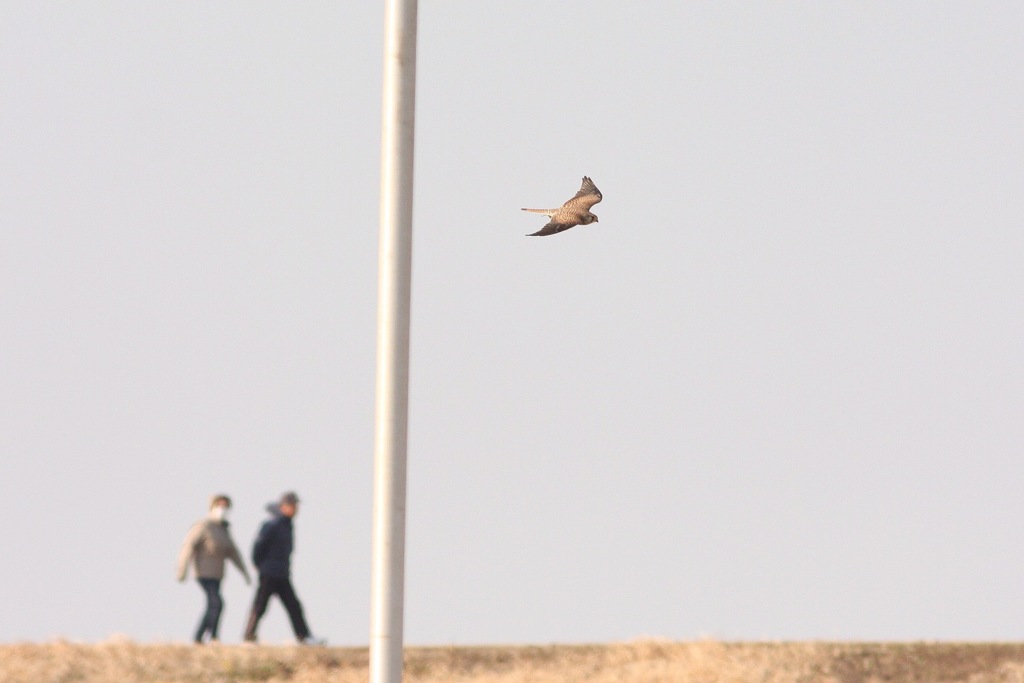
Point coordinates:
[[574, 212]]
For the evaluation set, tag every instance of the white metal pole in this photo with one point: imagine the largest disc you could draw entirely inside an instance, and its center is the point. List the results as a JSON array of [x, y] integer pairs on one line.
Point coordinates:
[[393, 308]]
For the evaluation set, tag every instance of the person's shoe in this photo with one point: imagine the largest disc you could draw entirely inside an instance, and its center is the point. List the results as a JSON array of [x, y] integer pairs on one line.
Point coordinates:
[[314, 642]]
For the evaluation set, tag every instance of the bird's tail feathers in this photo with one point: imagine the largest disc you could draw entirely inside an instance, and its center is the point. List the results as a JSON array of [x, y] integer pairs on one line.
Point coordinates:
[[546, 212]]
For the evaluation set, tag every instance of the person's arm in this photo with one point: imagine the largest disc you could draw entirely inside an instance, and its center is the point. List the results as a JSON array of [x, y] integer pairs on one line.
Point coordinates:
[[188, 549], [236, 557], [259, 547]]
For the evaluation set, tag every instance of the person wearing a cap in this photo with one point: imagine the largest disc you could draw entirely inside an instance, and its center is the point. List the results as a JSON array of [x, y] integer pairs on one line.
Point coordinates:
[[271, 553], [207, 544]]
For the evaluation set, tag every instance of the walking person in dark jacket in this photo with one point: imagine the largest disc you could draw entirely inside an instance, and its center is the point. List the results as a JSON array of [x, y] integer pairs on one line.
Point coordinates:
[[271, 553]]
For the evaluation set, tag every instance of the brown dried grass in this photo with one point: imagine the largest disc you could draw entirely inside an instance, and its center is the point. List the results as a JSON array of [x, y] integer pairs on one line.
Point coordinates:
[[648, 661]]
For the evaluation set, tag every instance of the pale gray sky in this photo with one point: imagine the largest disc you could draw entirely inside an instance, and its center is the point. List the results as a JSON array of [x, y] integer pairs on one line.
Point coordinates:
[[775, 393]]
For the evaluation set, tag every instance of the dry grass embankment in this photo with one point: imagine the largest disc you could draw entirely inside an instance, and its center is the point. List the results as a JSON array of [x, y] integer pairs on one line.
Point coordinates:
[[639, 662]]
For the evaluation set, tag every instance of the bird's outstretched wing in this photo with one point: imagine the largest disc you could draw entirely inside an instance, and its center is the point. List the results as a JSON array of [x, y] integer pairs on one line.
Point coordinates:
[[551, 228], [586, 197]]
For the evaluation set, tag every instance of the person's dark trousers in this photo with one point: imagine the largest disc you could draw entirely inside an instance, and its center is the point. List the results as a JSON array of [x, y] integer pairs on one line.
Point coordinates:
[[282, 587], [214, 607]]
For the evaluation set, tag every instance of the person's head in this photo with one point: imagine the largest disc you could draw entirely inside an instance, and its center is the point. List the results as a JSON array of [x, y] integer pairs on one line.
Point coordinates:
[[289, 504], [219, 506]]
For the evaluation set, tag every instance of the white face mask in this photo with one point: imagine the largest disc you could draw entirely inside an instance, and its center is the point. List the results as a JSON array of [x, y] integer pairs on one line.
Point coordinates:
[[219, 513]]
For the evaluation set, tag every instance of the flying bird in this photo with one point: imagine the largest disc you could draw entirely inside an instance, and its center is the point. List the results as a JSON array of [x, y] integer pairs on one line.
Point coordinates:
[[576, 211]]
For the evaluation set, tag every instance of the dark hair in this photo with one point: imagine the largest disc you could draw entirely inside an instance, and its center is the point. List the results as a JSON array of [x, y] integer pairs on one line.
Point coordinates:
[[218, 498]]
